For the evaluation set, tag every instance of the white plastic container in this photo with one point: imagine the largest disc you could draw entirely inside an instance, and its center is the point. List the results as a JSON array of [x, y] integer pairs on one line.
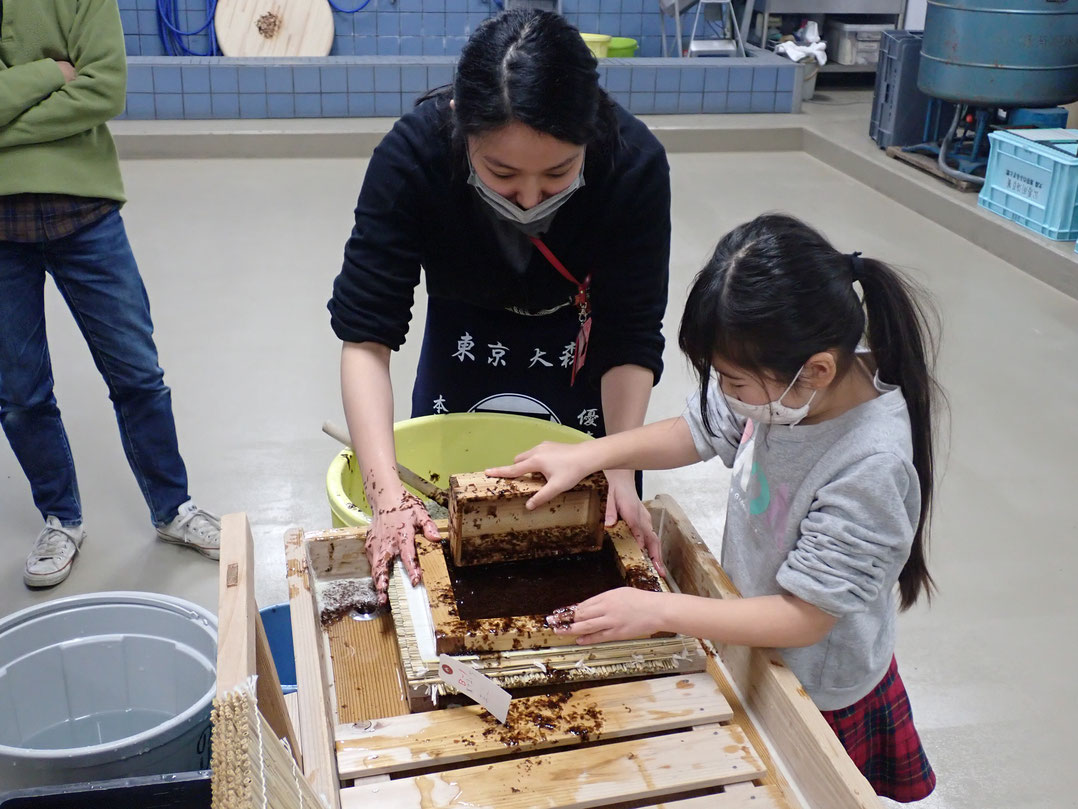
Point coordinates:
[[854, 43], [105, 685]]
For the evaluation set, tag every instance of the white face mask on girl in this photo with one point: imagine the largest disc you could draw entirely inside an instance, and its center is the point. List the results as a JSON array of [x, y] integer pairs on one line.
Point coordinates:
[[773, 412]]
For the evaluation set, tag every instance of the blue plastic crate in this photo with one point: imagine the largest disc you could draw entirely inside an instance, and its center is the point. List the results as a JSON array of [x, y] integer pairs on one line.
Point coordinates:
[[1032, 179], [901, 114], [189, 790]]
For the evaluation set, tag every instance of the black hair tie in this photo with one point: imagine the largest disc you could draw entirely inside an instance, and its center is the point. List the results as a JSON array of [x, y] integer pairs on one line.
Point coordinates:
[[857, 266]]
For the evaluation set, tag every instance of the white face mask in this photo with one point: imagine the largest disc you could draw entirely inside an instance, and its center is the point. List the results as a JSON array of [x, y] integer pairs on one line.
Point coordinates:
[[514, 213], [773, 412]]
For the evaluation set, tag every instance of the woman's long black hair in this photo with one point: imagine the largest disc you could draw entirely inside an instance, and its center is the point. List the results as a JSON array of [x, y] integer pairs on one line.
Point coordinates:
[[530, 67], [775, 292]]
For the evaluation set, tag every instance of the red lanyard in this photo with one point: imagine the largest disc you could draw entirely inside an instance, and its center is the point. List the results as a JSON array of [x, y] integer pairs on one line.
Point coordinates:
[[582, 300]]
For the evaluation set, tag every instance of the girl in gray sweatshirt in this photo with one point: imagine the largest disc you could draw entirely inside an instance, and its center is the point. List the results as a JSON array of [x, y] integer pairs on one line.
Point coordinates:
[[820, 399]]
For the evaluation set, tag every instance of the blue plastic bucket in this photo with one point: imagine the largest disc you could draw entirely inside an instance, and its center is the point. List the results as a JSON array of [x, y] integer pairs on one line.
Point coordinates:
[[277, 621]]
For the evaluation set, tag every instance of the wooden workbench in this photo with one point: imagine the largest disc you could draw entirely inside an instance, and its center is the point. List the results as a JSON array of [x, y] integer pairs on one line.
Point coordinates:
[[743, 733]]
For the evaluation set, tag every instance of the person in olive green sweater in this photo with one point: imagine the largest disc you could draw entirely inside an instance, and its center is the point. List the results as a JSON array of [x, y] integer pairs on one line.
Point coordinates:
[[63, 75]]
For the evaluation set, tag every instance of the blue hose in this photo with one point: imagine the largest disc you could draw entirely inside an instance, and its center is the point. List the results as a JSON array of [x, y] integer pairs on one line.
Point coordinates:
[[349, 10], [173, 38]]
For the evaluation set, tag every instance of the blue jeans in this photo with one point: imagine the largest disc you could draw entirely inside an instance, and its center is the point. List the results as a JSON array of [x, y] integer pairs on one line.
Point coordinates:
[[97, 276]]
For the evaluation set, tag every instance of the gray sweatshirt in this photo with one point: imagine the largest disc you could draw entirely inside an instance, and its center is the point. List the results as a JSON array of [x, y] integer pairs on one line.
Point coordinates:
[[825, 512]]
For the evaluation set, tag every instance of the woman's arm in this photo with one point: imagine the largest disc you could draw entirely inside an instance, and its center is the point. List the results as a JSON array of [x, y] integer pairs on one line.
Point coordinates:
[[368, 407], [370, 310], [626, 390], [367, 393]]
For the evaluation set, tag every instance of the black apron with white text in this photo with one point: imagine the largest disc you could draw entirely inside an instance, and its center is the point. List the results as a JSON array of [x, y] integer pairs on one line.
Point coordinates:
[[477, 360]]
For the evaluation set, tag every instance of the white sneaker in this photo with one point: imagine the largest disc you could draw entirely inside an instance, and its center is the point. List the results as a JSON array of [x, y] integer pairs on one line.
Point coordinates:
[[50, 562], [194, 528]]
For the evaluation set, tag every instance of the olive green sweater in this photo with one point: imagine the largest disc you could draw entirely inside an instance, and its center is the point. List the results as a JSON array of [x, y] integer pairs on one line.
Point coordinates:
[[53, 136]]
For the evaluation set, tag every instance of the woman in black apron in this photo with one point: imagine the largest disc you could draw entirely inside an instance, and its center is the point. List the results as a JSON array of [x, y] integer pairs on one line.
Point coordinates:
[[539, 212]]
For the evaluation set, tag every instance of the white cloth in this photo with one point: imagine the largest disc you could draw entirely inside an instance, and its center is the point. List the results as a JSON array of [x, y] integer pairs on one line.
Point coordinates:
[[800, 53]]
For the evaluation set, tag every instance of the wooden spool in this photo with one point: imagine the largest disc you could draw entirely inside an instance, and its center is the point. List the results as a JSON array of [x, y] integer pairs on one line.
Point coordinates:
[[274, 27]]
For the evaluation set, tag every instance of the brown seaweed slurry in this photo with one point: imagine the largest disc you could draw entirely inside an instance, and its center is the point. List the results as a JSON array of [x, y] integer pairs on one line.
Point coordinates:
[[533, 720], [490, 548], [640, 577], [533, 586], [345, 596]]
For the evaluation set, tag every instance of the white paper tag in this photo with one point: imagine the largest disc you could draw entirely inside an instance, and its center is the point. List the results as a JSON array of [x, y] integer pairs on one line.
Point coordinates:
[[476, 685]]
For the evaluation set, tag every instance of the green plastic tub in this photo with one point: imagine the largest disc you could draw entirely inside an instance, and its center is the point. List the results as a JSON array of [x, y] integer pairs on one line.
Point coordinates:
[[622, 47], [598, 44], [439, 446]]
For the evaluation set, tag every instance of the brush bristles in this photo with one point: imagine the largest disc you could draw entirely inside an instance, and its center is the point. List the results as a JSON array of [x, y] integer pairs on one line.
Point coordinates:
[[252, 768]]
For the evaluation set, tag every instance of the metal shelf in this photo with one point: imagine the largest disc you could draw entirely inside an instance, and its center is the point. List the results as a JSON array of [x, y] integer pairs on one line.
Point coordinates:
[[834, 67]]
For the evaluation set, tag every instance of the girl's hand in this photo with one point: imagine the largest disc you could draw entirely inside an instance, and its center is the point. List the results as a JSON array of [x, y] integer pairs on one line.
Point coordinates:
[[623, 501], [563, 466], [392, 533], [619, 614]]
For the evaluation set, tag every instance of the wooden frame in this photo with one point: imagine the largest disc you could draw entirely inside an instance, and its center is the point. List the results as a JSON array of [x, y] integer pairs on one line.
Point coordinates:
[[710, 740], [250, 768], [771, 692], [242, 646], [454, 636], [488, 520], [315, 725]]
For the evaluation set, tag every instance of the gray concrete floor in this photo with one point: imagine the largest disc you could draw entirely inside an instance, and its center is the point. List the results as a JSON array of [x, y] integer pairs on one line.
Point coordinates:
[[239, 255]]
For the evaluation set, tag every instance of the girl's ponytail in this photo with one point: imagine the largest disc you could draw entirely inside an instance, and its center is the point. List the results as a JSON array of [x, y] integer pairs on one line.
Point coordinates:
[[901, 339]]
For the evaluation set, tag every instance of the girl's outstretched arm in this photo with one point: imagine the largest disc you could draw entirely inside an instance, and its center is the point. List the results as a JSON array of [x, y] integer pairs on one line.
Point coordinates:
[[662, 445], [777, 621]]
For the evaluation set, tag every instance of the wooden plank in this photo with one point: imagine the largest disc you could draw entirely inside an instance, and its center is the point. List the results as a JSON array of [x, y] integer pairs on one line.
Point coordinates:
[[453, 636], [235, 625], [489, 520], [929, 165], [340, 553], [367, 678], [801, 737], [640, 769], [340, 557], [635, 565], [242, 647], [291, 703], [745, 795], [315, 729], [457, 734], [268, 689]]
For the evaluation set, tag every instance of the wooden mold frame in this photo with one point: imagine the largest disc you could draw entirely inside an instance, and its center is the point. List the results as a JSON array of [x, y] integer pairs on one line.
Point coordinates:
[[454, 636], [524, 668], [741, 734], [351, 647], [489, 521]]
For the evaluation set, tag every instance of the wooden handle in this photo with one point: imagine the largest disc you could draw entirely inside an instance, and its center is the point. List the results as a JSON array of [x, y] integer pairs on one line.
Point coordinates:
[[407, 476]]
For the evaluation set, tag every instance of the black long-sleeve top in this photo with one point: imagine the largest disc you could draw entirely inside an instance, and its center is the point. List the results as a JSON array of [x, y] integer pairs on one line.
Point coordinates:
[[416, 209]]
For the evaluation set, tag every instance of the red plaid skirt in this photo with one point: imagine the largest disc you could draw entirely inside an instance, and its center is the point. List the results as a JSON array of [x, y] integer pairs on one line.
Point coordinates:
[[878, 733]]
